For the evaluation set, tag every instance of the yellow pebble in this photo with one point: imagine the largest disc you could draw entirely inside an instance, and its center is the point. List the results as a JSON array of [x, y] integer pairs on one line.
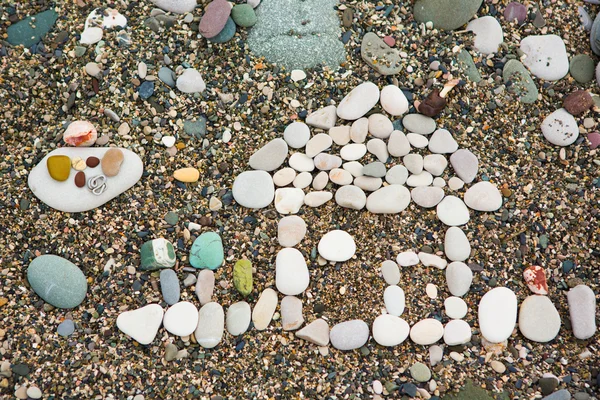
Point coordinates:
[[186, 175], [180, 146], [78, 164], [59, 167]]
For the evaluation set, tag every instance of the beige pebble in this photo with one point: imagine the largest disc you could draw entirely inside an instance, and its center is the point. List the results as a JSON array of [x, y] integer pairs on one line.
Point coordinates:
[[498, 366], [78, 164]]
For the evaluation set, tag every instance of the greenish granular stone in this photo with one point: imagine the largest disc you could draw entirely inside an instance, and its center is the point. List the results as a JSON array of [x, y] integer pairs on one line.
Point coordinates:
[[207, 251], [195, 128], [581, 68], [157, 254], [30, 30], [521, 83], [471, 392], [58, 281], [172, 218], [298, 34], [243, 15], [446, 15], [468, 67], [242, 277], [226, 34], [420, 372]]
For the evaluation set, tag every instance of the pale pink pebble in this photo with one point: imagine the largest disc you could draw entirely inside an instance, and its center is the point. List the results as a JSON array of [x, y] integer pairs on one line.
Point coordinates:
[[390, 41], [81, 134], [594, 139]]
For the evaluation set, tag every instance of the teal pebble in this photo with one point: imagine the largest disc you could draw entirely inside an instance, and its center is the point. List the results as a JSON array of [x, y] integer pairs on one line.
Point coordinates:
[[27, 32], [207, 251], [243, 15], [57, 280], [226, 34]]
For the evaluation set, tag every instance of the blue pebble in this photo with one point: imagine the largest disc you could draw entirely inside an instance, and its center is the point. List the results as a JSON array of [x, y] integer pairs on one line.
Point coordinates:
[[146, 90], [66, 328]]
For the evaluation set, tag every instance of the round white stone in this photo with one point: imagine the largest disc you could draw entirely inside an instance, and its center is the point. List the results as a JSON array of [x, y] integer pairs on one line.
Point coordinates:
[[296, 135], [368, 183], [181, 319], [422, 179], [418, 123], [354, 167], [316, 199], [455, 307], [389, 330], [465, 164], [393, 100], [141, 324], [264, 309], [284, 176], [317, 144], [397, 175], [380, 126], [378, 148], [452, 211], [442, 142], [456, 244], [390, 272], [398, 144], [394, 300], [323, 118], [351, 196], [238, 318], [320, 181], [359, 101], [349, 335], [413, 163], [291, 230], [538, 319], [435, 164], [288, 200], [353, 151], [455, 183], [457, 332], [390, 199], [488, 34], [337, 245], [431, 260], [359, 130], [459, 277], [301, 162], [340, 135], [340, 176], [497, 314], [483, 196], [407, 259], [427, 196], [303, 180], [417, 141], [253, 189], [427, 331], [291, 272], [190, 81], [546, 56], [270, 156], [211, 324], [560, 128]]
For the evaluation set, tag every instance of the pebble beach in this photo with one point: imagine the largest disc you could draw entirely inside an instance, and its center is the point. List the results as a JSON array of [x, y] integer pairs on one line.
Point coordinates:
[[309, 199]]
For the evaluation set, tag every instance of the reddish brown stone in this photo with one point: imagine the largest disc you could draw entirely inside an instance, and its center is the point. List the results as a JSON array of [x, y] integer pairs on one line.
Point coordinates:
[[80, 179], [433, 104], [578, 102], [214, 19], [92, 162], [535, 277]]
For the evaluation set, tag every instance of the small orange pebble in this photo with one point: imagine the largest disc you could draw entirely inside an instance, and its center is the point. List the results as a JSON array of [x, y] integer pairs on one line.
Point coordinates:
[[180, 146], [3, 301]]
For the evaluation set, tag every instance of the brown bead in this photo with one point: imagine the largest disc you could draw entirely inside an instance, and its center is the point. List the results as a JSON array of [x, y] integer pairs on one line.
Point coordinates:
[[92, 162], [578, 102], [80, 179], [433, 104]]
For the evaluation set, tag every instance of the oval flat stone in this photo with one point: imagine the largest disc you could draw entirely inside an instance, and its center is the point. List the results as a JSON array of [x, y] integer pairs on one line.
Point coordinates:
[[323, 118], [284, 177], [340, 176], [546, 56], [538, 319], [225, 35], [301, 162], [397, 175], [242, 277], [214, 19], [156, 254], [238, 318], [582, 68], [582, 311], [452, 211], [351, 196], [205, 285], [111, 161], [427, 331], [419, 123], [291, 273], [358, 102], [349, 335], [378, 148], [379, 56], [317, 144], [497, 314], [340, 135], [176, 6], [407, 259], [456, 244], [296, 135], [337, 245], [398, 144], [290, 231], [394, 300], [488, 34], [431, 260], [57, 280], [243, 15], [291, 313], [211, 323], [270, 156], [427, 196], [359, 130], [141, 324], [393, 100], [455, 307], [169, 286], [465, 164], [483, 196], [560, 128], [459, 278], [66, 196], [264, 309], [390, 199], [442, 142], [190, 81], [444, 14], [389, 330], [187, 175], [390, 272], [327, 162], [368, 183], [181, 319], [380, 126], [253, 189], [316, 199], [207, 251], [457, 332]]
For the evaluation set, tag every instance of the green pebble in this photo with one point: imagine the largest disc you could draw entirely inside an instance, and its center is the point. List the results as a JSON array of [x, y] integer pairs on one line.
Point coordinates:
[[242, 277], [420, 372], [57, 280], [156, 254], [522, 84], [27, 32], [80, 51], [243, 15], [581, 68], [207, 251], [172, 218], [466, 64], [446, 15]]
